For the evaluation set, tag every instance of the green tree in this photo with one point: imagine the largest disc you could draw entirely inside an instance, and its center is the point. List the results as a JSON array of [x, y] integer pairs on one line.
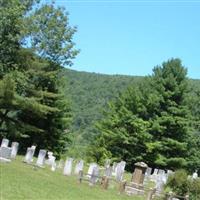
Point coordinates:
[[39, 40], [150, 123], [170, 124]]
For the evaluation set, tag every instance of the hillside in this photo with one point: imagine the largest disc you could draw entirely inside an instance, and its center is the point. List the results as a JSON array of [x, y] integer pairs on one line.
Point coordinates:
[[90, 93]]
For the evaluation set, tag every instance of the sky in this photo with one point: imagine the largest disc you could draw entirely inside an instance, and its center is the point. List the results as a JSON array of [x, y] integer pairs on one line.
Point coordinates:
[[131, 37]]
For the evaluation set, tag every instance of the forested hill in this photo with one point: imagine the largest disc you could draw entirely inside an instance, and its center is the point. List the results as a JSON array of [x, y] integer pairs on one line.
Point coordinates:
[[90, 93]]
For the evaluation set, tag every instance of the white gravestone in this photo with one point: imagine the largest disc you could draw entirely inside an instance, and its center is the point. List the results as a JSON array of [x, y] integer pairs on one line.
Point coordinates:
[[5, 153], [4, 142], [79, 167], [161, 180], [120, 170], [29, 154], [41, 158], [51, 159], [68, 167], [195, 175], [14, 146], [90, 169]]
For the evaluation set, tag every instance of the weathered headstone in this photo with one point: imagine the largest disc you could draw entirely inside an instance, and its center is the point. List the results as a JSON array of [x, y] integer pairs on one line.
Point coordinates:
[[29, 154], [139, 173], [108, 171], [14, 146], [79, 167], [51, 159], [94, 176], [120, 170], [114, 169], [90, 169], [41, 158], [68, 167], [5, 153], [4, 142]]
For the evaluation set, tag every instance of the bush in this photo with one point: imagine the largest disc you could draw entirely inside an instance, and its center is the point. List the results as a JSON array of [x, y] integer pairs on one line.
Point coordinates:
[[182, 185]]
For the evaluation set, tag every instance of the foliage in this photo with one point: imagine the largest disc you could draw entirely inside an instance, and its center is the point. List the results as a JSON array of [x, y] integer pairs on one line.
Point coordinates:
[[182, 185], [33, 108], [150, 122]]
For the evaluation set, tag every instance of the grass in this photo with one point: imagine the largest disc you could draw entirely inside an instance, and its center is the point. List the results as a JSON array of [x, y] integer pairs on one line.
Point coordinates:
[[20, 181]]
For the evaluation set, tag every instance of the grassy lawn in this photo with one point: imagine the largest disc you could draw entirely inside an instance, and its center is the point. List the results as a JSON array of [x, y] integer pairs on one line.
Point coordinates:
[[21, 181]]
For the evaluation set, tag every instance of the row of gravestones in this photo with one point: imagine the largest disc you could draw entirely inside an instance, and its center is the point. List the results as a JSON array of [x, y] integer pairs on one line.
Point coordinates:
[[7, 153], [117, 169]]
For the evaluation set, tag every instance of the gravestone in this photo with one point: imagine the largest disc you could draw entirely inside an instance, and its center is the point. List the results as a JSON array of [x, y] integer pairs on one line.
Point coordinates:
[[94, 176], [147, 175], [120, 170], [79, 167], [41, 158], [114, 169], [68, 167], [29, 154], [4, 142], [139, 173], [51, 159], [14, 146], [195, 175], [5, 153], [108, 171], [90, 169]]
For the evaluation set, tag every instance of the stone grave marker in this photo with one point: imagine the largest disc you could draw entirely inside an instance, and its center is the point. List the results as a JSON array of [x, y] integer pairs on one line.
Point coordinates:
[[139, 173], [29, 154], [108, 171], [4, 142], [79, 167], [120, 170], [51, 159], [195, 175], [94, 176], [68, 167], [14, 146], [114, 166], [41, 158], [90, 169], [5, 154]]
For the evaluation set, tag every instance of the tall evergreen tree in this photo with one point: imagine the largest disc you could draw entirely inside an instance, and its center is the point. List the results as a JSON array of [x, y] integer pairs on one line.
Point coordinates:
[[150, 123], [36, 109]]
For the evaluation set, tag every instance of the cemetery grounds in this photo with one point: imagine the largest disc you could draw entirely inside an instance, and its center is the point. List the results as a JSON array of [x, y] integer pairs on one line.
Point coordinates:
[[20, 181]]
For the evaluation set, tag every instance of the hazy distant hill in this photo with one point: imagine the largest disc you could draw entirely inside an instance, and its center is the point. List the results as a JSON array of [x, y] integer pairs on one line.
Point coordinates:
[[90, 93]]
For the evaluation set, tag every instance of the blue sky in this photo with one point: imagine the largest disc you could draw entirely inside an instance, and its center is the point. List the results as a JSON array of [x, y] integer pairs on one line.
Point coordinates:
[[131, 37]]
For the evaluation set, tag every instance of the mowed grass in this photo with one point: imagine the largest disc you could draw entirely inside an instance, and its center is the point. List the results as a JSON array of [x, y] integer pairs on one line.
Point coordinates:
[[22, 181]]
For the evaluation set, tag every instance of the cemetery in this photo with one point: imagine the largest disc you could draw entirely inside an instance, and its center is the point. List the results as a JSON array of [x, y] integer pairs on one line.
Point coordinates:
[[123, 124], [109, 181]]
